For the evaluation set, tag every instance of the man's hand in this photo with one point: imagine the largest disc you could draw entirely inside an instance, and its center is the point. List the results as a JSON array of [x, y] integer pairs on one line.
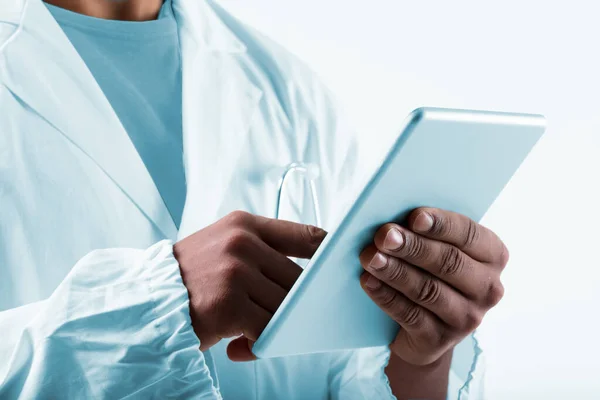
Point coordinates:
[[237, 274], [437, 278]]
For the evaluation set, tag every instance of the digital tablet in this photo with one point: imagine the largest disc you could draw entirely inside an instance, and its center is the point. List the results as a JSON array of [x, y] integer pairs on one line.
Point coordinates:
[[457, 160]]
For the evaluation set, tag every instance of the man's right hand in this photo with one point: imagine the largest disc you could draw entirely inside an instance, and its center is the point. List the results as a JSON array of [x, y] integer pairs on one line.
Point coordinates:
[[237, 274]]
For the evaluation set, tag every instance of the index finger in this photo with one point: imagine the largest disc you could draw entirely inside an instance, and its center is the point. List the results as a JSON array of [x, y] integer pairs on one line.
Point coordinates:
[[277, 267], [460, 231], [290, 238]]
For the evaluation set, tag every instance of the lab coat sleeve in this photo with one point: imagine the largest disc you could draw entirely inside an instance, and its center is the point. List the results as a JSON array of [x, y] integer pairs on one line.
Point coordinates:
[[360, 374], [117, 326]]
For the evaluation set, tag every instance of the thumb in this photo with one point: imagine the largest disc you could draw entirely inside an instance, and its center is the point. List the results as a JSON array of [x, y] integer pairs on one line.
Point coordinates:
[[290, 238], [240, 349]]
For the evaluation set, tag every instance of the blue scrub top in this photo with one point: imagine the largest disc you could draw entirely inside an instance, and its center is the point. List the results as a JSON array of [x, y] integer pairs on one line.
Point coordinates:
[[138, 67]]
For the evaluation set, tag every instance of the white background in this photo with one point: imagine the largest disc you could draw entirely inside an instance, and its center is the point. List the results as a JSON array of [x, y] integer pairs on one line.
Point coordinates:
[[383, 58]]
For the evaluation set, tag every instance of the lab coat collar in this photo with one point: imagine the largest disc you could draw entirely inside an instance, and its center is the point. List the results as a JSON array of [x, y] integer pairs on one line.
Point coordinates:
[[44, 71], [40, 67], [220, 102], [203, 21]]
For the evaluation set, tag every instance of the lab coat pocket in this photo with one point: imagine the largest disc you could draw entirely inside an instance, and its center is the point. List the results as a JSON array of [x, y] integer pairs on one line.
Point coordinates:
[[297, 199]]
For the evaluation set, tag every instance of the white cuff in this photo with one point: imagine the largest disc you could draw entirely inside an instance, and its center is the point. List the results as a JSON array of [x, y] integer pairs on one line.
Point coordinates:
[[117, 326], [466, 373]]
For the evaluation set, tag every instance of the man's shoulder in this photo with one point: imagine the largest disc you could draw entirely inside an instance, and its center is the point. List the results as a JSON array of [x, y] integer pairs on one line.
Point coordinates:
[[271, 64]]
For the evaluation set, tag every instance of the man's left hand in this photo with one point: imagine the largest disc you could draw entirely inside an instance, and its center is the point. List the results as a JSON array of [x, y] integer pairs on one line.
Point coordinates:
[[437, 277]]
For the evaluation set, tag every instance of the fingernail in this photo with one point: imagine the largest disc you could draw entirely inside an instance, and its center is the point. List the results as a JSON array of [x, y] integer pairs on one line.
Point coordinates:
[[393, 239], [378, 261], [423, 222], [316, 234], [373, 283]]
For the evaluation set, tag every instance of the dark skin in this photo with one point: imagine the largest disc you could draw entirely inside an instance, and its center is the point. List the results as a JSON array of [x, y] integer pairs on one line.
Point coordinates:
[[120, 10], [436, 276]]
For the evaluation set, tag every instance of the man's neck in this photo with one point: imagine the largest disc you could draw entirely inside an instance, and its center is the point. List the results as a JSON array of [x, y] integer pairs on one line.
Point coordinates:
[[123, 10]]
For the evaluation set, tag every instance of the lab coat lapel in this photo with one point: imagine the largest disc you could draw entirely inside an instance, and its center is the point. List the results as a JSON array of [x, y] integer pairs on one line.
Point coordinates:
[[219, 104], [43, 70]]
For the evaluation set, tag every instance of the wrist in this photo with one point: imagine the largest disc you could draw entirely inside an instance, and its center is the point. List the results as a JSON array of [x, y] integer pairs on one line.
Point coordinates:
[[410, 381], [440, 362]]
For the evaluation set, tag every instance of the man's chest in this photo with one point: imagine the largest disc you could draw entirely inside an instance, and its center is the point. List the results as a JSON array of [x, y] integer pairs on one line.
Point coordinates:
[[60, 202]]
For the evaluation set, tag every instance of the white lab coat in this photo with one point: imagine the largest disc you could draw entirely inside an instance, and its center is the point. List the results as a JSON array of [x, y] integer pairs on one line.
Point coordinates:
[[91, 301]]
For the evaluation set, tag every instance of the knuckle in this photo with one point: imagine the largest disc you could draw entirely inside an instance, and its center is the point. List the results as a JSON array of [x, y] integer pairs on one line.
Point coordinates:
[[415, 247], [237, 241], [412, 316], [395, 271], [495, 293], [504, 256], [442, 227], [471, 321], [472, 234], [235, 271], [387, 299], [430, 291], [452, 262], [239, 218]]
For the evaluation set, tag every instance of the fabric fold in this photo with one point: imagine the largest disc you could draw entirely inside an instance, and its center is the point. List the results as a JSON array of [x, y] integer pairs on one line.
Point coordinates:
[[117, 327]]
